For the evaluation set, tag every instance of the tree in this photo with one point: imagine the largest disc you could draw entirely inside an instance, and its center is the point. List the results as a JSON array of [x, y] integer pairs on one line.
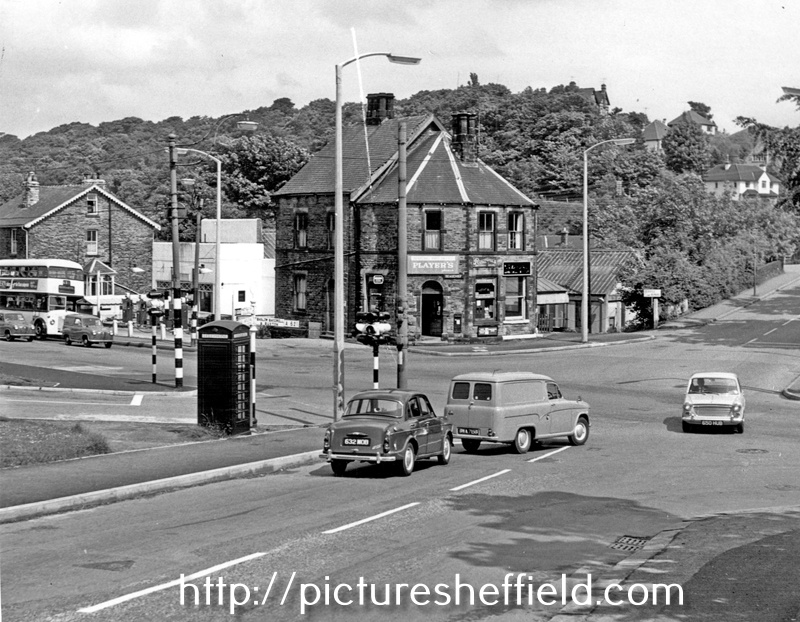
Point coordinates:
[[686, 149], [701, 109]]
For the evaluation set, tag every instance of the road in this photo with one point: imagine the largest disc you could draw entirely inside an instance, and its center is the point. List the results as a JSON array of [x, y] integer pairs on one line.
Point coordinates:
[[481, 517]]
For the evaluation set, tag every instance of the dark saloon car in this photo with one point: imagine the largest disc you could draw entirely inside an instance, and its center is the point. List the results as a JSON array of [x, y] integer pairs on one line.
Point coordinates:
[[85, 330], [388, 425], [13, 324]]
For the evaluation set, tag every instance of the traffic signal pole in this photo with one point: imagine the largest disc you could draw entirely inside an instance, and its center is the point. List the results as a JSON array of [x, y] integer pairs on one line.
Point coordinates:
[[401, 296], [177, 300], [375, 364]]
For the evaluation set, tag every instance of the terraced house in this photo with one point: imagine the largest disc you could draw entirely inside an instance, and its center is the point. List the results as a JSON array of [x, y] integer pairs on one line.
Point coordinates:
[[471, 234]]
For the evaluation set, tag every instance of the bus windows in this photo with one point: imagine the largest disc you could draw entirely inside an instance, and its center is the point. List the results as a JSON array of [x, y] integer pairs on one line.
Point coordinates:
[[57, 302]]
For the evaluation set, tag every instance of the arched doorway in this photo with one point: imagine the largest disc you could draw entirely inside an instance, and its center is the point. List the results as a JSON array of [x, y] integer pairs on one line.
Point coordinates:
[[432, 306]]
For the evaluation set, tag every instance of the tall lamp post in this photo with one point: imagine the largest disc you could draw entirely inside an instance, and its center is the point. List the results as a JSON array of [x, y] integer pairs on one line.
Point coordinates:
[[338, 268], [585, 292]]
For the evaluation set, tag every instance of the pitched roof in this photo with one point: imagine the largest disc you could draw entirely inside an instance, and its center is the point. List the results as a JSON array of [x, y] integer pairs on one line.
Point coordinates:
[[655, 130], [736, 172], [546, 285], [690, 116], [566, 268], [318, 175], [53, 199], [436, 175]]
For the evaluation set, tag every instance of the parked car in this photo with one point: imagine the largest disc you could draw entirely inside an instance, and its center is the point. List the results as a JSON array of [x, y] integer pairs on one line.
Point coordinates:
[[713, 399], [516, 408], [13, 325], [86, 330], [387, 425]]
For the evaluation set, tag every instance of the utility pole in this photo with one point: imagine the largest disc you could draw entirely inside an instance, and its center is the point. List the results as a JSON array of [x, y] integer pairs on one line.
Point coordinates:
[[177, 300], [402, 260]]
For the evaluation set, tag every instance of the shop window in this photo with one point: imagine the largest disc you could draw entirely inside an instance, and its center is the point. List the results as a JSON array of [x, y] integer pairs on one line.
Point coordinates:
[[486, 231], [516, 231], [485, 301], [300, 282], [301, 230], [433, 231], [91, 242], [515, 298]]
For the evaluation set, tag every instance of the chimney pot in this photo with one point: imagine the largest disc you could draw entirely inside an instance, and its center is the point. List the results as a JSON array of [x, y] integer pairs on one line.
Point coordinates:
[[380, 106], [465, 139], [31, 196]]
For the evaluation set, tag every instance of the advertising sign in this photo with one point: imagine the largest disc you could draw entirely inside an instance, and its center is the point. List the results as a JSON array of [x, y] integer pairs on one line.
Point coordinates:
[[433, 264]]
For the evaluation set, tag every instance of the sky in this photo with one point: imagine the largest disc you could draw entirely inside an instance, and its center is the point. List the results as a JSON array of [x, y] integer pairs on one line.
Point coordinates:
[[93, 61]]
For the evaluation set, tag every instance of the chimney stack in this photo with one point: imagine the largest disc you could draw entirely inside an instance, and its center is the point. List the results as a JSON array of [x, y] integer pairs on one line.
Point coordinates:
[[465, 139], [31, 196], [380, 106], [93, 179]]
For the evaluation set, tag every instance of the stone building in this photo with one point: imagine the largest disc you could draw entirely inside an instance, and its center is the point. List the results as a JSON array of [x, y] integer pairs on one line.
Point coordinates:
[[83, 223], [471, 234]]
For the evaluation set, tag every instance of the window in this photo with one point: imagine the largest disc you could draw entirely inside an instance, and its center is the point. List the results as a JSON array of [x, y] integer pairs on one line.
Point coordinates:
[[516, 308], [91, 205], [301, 230], [461, 390], [486, 231], [14, 241], [482, 392], [331, 228], [516, 231], [241, 296], [763, 183], [484, 300], [553, 392], [91, 242], [299, 292], [433, 231]]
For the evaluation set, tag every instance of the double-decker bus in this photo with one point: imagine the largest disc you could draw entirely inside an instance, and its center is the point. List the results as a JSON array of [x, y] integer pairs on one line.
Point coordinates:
[[43, 290]]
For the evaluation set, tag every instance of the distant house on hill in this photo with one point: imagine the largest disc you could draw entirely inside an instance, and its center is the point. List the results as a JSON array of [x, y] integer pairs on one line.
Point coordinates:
[[83, 223], [594, 96], [653, 134], [692, 117], [742, 181]]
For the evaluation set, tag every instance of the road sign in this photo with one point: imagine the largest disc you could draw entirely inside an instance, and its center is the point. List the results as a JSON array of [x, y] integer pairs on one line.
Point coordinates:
[[652, 293]]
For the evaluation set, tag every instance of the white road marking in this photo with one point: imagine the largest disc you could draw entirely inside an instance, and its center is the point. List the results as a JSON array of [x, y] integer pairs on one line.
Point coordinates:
[[548, 454], [173, 583], [770, 331], [137, 400], [371, 518], [478, 481], [751, 341]]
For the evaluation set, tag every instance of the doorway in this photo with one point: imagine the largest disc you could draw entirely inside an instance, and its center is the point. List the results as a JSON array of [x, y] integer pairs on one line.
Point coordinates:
[[432, 307]]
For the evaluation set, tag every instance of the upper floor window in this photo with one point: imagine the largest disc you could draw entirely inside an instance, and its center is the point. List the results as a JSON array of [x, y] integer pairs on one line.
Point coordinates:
[[299, 293], [516, 231], [486, 228], [301, 230], [91, 242], [331, 229], [763, 183], [91, 205], [432, 240], [14, 241]]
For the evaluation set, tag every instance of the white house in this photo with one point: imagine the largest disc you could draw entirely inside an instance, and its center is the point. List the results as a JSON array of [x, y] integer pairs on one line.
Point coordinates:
[[741, 181]]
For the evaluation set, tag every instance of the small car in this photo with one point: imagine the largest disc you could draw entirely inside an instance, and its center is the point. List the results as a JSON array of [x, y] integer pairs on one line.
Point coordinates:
[[387, 425], [713, 399], [514, 408], [85, 330], [13, 325]]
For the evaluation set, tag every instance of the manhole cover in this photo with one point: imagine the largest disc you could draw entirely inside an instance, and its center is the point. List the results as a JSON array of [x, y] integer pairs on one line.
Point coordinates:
[[630, 543], [752, 451]]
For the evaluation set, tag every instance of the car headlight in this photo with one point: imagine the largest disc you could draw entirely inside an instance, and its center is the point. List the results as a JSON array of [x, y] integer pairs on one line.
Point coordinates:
[[687, 408], [386, 445], [736, 408], [52, 322]]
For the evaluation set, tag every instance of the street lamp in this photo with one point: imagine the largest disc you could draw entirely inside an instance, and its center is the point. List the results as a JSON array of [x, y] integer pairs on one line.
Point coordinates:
[[338, 269], [585, 292]]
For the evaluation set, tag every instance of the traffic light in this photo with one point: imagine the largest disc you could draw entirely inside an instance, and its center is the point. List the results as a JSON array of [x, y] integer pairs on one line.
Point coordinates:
[[156, 308], [372, 327]]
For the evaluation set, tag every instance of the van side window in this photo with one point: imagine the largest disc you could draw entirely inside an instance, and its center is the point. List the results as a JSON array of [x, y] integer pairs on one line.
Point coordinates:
[[552, 391], [461, 391], [483, 392]]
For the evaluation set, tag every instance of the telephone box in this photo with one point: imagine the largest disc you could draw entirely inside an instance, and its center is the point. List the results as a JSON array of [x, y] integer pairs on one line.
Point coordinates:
[[223, 376]]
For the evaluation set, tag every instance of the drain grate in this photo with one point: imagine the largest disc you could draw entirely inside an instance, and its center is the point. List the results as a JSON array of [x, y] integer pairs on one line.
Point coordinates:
[[630, 543]]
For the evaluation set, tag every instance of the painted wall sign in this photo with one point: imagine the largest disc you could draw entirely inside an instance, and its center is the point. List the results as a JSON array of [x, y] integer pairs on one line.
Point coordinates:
[[433, 264]]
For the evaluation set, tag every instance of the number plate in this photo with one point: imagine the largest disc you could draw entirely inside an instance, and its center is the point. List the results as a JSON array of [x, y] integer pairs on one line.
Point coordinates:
[[711, 423], [356, 441], [474, 431]]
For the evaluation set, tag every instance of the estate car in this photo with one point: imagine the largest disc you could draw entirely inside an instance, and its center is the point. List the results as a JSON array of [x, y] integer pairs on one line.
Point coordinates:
[[515, 408], [713, 399], [85, 330], [387, 425], [13, 324]]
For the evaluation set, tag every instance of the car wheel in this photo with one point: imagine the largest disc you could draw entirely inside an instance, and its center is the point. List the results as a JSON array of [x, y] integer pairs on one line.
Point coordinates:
[[41, 331], [444, 457], [108, 344], [338, 467], [740, 428], [470, 445], [686, 427], [580, 434], [409, 458], [30, 339], [522, 441], [8, 336], [67, 340], [85, 342]]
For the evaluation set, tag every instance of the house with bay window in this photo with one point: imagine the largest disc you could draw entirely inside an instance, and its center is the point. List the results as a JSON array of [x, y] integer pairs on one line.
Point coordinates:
[[471, 234]]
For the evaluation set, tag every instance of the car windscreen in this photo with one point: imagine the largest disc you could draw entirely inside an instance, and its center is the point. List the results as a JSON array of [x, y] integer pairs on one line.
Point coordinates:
[[91, 321], [375, 406], [14, 317], [717, 386]]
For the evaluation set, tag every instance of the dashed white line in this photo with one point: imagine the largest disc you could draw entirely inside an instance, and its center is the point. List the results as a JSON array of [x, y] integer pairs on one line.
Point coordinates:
[[547, 455], [137, 400], [478, 481], [371, 518]]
